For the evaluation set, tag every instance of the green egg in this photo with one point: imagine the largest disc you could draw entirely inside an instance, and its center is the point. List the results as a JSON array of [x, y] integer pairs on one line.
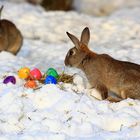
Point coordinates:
[[52, 72]]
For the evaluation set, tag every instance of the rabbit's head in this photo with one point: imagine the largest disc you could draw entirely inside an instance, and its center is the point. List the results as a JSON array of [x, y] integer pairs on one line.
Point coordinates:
[[76, 54]]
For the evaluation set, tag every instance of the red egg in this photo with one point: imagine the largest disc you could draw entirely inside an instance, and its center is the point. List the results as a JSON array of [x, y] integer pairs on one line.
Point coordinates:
[[35, 74]]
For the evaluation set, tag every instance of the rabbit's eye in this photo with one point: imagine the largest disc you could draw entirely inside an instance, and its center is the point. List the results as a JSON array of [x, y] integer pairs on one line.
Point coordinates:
[[72, 52]]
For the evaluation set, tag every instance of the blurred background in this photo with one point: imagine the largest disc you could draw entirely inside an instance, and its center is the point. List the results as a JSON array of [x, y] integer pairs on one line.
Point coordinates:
[[114, 26], [92, 7]]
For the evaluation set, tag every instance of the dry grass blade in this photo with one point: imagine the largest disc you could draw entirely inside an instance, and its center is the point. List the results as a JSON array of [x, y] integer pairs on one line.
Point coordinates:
[[65, 78]]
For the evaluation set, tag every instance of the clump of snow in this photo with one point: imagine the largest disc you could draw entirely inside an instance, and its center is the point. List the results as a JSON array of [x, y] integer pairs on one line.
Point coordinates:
[[65, 111]]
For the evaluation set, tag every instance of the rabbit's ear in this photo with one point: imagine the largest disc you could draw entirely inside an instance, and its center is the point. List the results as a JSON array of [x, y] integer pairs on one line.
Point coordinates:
[[85, 36], [74, 39]]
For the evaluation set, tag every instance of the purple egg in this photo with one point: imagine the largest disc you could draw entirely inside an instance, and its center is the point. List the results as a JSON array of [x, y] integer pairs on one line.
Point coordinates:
[[8, 79]]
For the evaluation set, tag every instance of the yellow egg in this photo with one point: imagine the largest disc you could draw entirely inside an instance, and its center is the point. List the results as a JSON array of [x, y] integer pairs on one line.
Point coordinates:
[[23, 73]]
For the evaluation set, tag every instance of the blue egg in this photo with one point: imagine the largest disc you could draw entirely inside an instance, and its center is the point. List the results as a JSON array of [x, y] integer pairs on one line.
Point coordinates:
[[50, 80]]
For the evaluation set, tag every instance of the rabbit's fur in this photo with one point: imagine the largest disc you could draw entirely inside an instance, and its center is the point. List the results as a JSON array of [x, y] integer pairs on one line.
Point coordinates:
[[103, 72], [10, 37]]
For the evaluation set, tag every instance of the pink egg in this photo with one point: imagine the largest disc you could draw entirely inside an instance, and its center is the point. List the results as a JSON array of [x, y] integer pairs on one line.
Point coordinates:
[[35, 74]]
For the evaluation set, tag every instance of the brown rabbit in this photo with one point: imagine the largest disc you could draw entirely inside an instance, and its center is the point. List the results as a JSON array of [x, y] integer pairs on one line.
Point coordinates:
[[103, 72], [10, 37]]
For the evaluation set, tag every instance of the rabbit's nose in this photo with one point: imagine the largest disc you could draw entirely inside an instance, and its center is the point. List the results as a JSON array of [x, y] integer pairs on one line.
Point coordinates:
[[66, 62]]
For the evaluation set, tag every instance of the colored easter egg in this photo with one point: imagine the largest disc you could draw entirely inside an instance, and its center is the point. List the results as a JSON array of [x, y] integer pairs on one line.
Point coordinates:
[[52, 72], [23, 73], [30, 84], [35, 74], [50, 80], [9, 79]]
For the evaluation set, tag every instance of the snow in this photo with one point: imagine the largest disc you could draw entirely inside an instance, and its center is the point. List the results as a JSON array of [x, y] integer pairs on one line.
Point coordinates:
[[103, 7], [65, 111]]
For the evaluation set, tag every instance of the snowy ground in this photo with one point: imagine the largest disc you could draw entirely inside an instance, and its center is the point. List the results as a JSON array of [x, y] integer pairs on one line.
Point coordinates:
[[102, 7], [50, 113]]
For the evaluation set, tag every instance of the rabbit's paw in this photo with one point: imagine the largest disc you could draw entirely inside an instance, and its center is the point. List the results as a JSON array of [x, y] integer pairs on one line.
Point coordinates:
[[94, 93]]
